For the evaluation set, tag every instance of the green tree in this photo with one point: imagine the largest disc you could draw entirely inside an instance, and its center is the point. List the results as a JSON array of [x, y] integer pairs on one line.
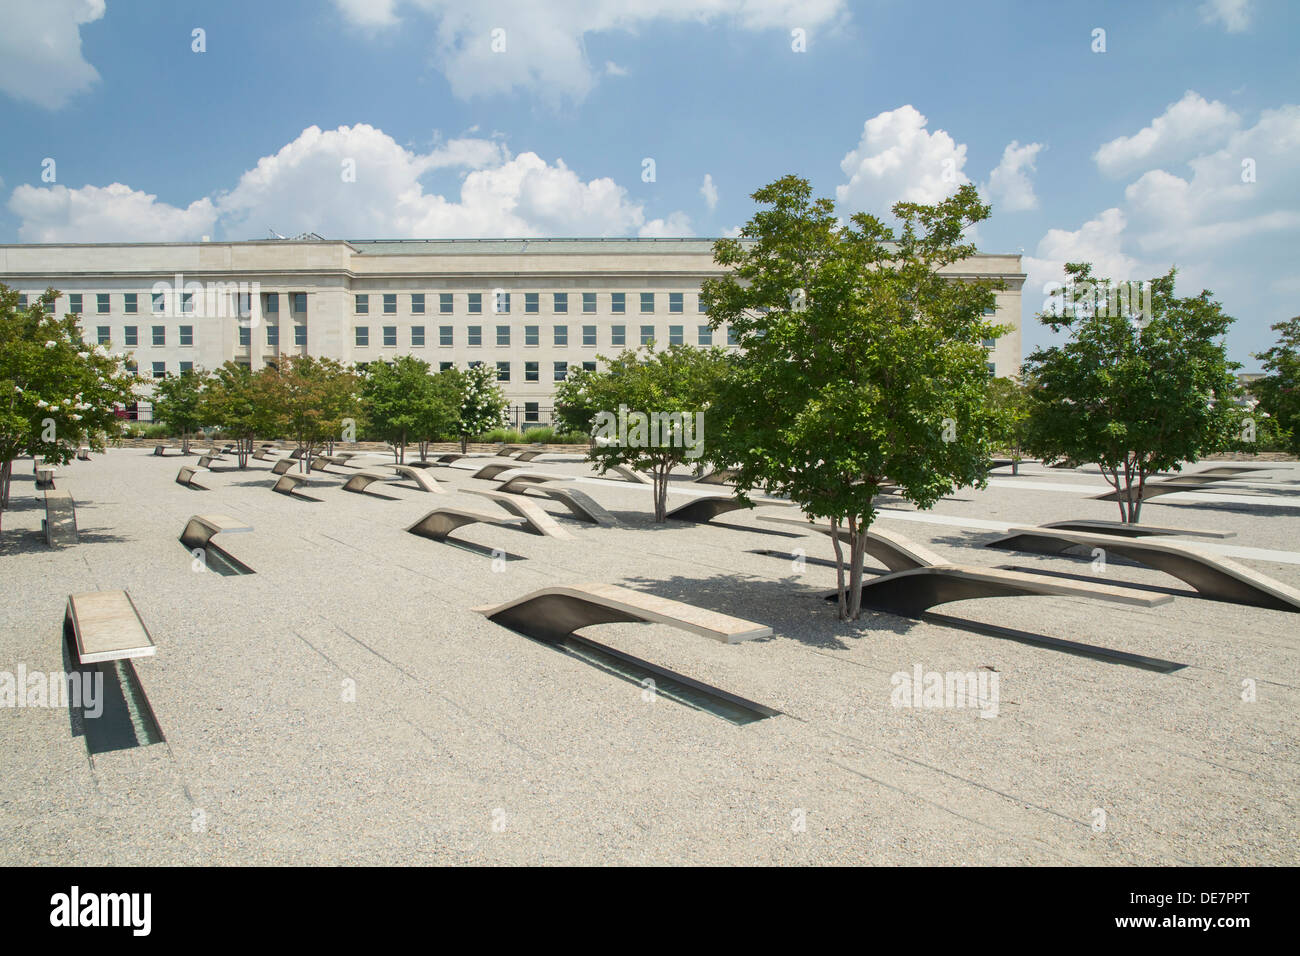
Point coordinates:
[[646, 410], [235, 399], [56, 390], [481, 406], [1009, 404], [860, 361], [1278, 391], [404, 402], [1137, 390], [315, 401], [178, 400]]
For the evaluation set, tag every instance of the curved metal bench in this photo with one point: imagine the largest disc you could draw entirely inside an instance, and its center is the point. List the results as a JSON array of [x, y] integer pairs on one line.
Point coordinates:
[[282, 466], [201, 529], [1214, 578], [630, 474], [552, 614], [536, 520], [362, 480], [187, 474], [289, 481], [579, 503], [420, 477], [894, 551], [83, 453], [529, 455], [442, 521], [707, 507], [60, 522], [723, 476], [517, 479], [1130, 530], [494, 469]]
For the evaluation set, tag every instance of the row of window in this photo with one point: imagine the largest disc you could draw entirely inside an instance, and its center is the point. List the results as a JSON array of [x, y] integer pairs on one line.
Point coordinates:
[[185, 335], [532, 335], [532, 302], [158, 303]]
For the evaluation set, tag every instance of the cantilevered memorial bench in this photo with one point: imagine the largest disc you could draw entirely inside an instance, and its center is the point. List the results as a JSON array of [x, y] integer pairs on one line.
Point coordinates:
[[582, 506], [201, 529], [359, 481], [1169, 486], [505, 451], [282, 466], [161, 450], [723, 476], [60, 522], [187, 475], [535, 519], [530, 454], [45, 475], [1214, 578], [707, 507], [516, 480], [205, 461], [289, 482], [442, 521], [894, 551], [630, 474], [494, 469], [417, 476], [1226, 471], [554, 613], [264, 454], [107, 627], [83, 453], [1129, 530]]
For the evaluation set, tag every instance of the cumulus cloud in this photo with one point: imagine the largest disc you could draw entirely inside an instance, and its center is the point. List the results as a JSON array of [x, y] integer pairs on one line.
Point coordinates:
[[898, 159], [356, 182], [1184, 129], [1234, 15], [40, 50], [542, 47], [709, 192], [1009, 187]]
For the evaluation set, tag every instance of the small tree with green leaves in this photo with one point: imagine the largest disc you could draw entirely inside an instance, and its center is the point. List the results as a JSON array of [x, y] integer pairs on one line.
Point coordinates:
[[316, 400], [404, 402], [1138, 390], [647, 410], [1009, 403], [861, 363], [1278, 391], [56, 390], [236, 399], [481, 406], [178, 400]]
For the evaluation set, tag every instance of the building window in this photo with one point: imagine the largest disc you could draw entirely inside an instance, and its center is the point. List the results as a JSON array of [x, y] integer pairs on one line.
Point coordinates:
[[159, 335], [130, 303], [271, 304], [501, 303], [503, 371], [618, 302], [475, 334], [101, 303], [589, 302], [22, 300], [731, 336], [49, 308], [129, 336], [562, 335], [530, 372], [992, 369], [705, 335], [187, 304], [159, 369], [298, 302], [417, 303], [700, 304], [363, 305], [990, 343], [245, 335], [444, 303], [475, 364], [417, 336], [531, 336], [390, 303], [589, 335], [159, 303], [589, 366], [187, 367], [647, 301], [561, 371], [675, 336], [674, 302], [532, 303], [300, 335], [272, 336], [475, 303], [187, 333], [363, 335], [74, 303], [444, 335], [531, 412], [991, 310], [647, 334], [102, 335], [618, 335], [445, 366], [561, 303], [503, 335], [390, 336]]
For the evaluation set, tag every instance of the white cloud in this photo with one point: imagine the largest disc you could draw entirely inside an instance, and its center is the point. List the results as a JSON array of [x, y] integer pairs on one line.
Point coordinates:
[[897, 159], [356, 182], [114, 213], [545, 43], [1009, 187], [40, 50], [1184, 129], [1233, 14], [613, 69], [709, 192]]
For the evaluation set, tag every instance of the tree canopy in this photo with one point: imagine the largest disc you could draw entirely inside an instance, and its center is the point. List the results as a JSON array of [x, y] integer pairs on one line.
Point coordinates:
[[1279, 390]]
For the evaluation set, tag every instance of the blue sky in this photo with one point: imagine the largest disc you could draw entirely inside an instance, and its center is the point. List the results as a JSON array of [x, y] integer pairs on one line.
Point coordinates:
[[1131, 157]]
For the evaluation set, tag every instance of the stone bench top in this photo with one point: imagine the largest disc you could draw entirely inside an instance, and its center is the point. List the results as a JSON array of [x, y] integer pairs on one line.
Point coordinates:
[[107, 627]]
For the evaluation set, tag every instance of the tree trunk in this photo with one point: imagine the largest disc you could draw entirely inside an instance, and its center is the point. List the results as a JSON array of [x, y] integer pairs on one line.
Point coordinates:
[[464, 444], [857, 551], [424, 450], [5, 471], [842, 604]]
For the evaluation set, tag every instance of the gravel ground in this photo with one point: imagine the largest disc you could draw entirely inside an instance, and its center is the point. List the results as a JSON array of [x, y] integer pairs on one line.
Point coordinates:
[[467, 743]]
